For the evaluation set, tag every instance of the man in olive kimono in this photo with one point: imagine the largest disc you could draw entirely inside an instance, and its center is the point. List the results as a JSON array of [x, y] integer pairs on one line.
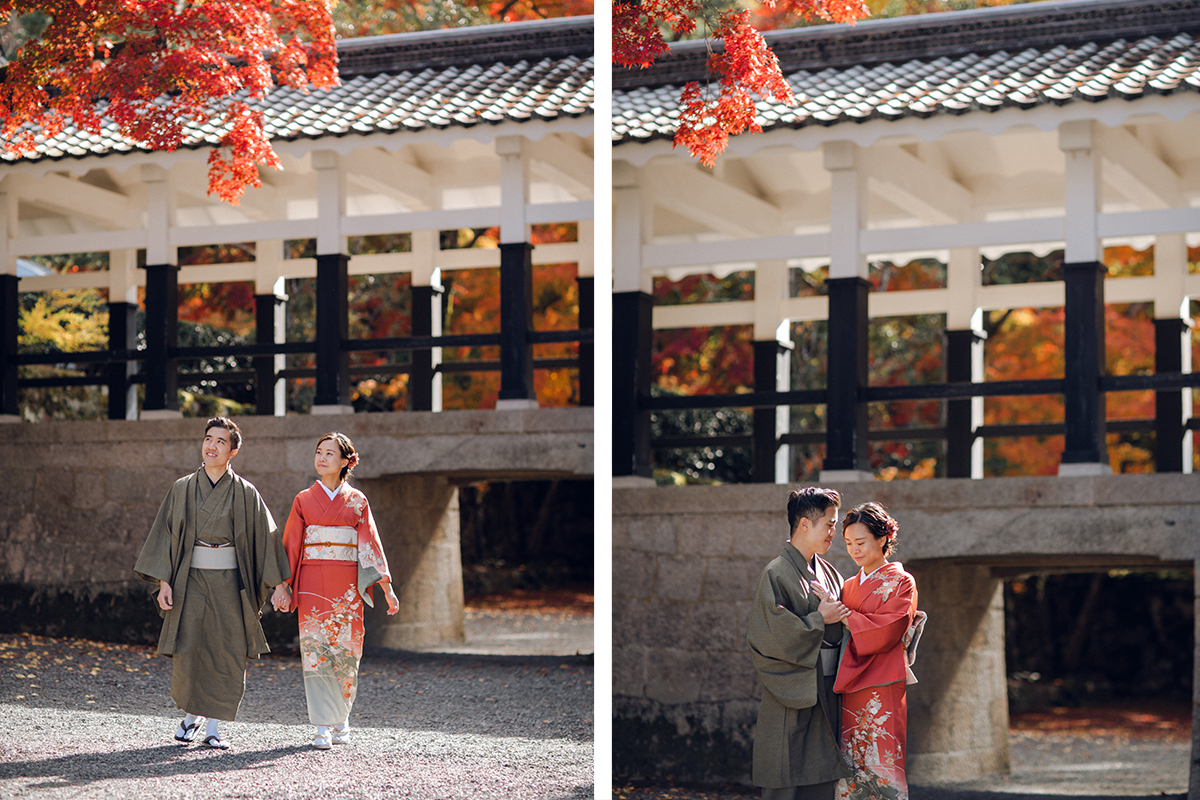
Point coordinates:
[[215, 555], [795, 640]]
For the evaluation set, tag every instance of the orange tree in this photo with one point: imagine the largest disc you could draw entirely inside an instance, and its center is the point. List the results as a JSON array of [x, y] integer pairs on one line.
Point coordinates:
[[156, 66]]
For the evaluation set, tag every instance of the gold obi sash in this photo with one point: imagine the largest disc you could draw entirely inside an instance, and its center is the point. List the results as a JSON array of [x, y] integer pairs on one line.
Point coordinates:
[[330, 543]]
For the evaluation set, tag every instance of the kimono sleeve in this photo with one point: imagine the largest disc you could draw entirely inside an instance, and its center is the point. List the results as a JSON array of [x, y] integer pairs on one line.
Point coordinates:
[[784, 646], [156, 561], [293, 537], [881, 630], [372, 563]]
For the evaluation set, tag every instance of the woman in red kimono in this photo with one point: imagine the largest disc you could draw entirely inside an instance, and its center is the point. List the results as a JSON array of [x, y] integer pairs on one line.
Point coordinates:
[[871, 679], [336, 557]]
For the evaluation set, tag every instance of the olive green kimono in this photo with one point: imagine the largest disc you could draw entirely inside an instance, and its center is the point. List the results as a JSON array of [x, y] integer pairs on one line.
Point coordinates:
[[213, 626], [796, 750]]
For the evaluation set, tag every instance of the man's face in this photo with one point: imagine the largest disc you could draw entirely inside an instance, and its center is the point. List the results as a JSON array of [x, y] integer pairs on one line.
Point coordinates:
[[216, 449], [815, 536]]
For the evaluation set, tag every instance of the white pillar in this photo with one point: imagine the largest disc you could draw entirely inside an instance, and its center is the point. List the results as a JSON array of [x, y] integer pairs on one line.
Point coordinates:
[[269, 280], [964, 279], [847, 209], [770, 290], [514, 189], [331, 202], [426, 273], [160, 215], [630, 223], [1081, 199]]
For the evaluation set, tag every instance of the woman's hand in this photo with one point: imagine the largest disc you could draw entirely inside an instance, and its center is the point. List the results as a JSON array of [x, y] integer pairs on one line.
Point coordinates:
[[393, 603], [166, 598], [282, 598]]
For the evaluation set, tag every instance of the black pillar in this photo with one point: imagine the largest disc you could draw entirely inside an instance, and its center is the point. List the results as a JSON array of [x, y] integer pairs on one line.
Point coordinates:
[[846, 371], [587, 350], [1168, 405], [765, 442], [333, 328], [1083, 349], [162, 325], [10, 330], [122, 335], [266, 314], [960, 435], [420, 374], [516, 320], [633, 333]]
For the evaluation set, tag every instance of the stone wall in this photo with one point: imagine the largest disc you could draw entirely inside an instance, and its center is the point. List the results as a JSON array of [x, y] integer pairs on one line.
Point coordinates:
[[686, 559], [77, 499]]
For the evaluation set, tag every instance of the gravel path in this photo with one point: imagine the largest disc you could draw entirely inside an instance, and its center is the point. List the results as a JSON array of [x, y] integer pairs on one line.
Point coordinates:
[[91, 720]]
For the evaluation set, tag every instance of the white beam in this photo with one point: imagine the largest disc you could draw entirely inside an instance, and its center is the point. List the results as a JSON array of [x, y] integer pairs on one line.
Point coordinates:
[[898, 176], [686, 254], [1134, 171], [685, 190], [367, 225], [964, 234], [388, 174], [699, 315], [770, 289], [563, 165], [73, 198], [81, 243], [543, 213]]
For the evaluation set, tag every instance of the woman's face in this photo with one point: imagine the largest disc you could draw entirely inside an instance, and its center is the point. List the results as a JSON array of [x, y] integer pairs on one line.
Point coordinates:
[[328, 460], [865, 549]]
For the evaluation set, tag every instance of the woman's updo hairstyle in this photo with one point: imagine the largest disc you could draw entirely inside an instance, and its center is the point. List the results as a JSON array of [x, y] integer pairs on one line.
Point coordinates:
[[345, 447], [877, 521]]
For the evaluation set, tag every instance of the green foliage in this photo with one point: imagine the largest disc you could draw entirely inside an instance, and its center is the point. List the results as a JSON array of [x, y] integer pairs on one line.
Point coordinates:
[[677, 466]]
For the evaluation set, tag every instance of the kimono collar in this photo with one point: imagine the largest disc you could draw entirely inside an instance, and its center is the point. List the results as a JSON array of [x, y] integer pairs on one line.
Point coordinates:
[[331, 492], [797, 558]]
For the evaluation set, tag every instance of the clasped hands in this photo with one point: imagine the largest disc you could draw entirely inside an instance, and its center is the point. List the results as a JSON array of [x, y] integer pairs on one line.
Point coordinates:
[[832, 610], [281, 600]]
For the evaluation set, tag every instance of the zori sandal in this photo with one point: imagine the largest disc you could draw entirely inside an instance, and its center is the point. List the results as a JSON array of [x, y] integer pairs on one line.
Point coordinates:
[[216, 743], [186, 733]]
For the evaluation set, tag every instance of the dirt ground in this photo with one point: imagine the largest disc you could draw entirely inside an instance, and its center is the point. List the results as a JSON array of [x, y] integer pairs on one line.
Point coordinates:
[[1135, 749]]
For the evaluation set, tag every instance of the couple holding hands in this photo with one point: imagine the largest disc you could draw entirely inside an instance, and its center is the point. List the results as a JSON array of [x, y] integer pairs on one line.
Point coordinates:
[[216, 556], [833, 656]]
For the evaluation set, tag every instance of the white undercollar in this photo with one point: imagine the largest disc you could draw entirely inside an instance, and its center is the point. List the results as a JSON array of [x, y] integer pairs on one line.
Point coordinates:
[[331, 492], [863, 578]]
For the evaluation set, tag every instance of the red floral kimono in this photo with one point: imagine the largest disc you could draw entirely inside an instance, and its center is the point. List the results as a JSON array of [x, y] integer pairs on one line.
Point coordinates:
[[336, 557], [871, 679]]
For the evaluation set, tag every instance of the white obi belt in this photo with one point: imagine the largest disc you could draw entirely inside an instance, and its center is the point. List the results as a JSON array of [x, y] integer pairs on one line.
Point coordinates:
[[330, 543]]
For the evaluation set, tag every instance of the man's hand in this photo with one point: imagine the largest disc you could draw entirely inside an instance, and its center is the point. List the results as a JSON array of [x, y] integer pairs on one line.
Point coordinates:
[[282, 598], [832, 610], [166, 598]]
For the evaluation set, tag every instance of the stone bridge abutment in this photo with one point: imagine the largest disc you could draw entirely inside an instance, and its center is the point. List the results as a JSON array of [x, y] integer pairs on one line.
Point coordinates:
[[77, 499], [686, 559]]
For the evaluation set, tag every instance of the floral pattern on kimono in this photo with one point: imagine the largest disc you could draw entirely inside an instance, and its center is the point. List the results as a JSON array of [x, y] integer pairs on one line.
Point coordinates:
[[330, 593], [871, 679]]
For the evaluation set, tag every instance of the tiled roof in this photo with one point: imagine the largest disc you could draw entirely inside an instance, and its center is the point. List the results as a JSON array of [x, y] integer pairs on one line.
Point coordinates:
[[513, 72], [951, 63]]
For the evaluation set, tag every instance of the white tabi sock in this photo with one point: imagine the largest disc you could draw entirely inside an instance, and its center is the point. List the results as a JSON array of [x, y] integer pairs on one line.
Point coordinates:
[[211, 730], [190, 719], [342, 726], [322, 730]]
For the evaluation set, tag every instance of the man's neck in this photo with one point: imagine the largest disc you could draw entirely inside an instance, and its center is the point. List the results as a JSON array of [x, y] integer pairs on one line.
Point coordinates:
[[808, 557], [215, 474]]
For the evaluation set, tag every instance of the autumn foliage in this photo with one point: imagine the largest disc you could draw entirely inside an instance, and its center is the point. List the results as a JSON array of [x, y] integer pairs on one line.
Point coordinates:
[[743, 66], [154, 67]]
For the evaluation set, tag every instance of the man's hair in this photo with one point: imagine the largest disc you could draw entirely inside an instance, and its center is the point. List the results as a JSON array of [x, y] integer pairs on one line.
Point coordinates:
[[810, 503], [235, 433]]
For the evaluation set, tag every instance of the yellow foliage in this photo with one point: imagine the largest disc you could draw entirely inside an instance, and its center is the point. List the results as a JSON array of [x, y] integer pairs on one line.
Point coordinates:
[[71, 321]]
